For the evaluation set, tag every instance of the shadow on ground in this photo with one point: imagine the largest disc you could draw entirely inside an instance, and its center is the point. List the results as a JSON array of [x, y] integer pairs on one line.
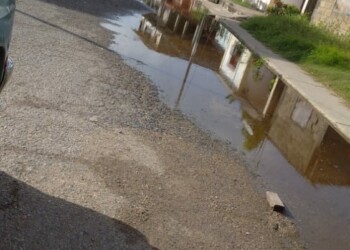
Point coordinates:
[[30, 219], [100, 7]]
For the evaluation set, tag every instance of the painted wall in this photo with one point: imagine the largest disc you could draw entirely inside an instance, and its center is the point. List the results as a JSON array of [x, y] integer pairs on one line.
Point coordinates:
[[253, 83], [297, 123], [223, 37], [334, 14], [256, 85], [234, 75]]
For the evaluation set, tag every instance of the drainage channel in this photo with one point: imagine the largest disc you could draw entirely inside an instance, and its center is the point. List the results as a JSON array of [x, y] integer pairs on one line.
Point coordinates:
[[317, 196]]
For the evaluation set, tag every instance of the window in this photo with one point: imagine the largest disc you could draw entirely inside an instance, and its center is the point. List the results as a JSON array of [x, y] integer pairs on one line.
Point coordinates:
[[302, 113]]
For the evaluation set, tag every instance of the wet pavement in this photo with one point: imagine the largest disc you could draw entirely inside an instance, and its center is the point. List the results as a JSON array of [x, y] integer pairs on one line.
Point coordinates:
[[317, 196], [92, 159]]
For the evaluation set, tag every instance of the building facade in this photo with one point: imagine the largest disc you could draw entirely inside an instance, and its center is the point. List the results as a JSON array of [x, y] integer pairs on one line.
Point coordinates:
[[334, 14]]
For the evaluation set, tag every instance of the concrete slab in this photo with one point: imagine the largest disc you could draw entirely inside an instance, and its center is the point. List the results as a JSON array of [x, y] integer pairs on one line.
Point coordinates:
[[326, 102]]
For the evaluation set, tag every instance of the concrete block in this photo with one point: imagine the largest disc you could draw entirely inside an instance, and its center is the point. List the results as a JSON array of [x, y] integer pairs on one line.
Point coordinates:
[[275, 202]]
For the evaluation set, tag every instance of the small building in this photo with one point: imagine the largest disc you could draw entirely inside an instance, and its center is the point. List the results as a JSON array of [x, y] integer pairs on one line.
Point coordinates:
[[334, 14], [245, 72], [159, 38], [291, 116], [177, 16], [295, 121]]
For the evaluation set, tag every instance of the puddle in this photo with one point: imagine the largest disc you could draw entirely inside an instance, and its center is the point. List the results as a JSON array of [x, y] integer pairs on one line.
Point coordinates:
[[317, 196]]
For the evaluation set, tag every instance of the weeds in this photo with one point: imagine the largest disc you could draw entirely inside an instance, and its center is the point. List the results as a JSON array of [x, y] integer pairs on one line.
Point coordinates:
[[279, 8], [323, 54], [198, 14], [258, 63]]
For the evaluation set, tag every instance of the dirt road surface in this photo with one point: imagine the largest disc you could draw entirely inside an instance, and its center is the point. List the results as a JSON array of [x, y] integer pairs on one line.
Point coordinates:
[[91, 159]]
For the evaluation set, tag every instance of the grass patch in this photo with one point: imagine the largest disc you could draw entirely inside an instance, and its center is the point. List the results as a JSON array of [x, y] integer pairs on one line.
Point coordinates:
[[321, 53], [198, 14], [335, 78]]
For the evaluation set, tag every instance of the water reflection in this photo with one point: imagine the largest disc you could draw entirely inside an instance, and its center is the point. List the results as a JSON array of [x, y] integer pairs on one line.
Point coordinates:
[[331, 163], [328, 165], [200, 94], [160, 38], [207, 93], [254, 139]]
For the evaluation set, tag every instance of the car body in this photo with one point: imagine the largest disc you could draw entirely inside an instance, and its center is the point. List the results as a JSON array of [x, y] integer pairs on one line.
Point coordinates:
[[7, 12]]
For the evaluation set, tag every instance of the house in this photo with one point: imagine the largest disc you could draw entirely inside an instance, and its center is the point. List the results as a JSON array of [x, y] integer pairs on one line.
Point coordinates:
[[295, 121], [264, 81], [334, 14], [175, 15], [291, 116], [244, 71]]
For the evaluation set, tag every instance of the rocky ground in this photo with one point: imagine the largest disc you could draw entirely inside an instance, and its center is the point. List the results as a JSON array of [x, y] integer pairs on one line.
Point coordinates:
[[91, 159]]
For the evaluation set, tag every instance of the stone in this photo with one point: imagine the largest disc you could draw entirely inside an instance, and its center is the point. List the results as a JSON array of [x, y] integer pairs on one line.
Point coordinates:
[[275, 202], [93, 119]]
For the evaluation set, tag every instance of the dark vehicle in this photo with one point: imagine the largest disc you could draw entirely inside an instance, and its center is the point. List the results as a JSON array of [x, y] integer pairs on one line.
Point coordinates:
[[7, 12]]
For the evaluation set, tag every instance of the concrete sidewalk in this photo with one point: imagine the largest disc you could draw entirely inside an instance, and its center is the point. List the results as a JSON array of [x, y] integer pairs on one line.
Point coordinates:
[[220, 11], [333, 108]]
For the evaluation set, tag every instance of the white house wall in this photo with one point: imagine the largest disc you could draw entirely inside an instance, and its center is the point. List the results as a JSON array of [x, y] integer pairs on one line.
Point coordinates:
[[223, 37], [234, 75]]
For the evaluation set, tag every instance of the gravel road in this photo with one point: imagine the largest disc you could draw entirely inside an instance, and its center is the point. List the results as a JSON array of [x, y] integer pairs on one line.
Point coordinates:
[[91, 159]]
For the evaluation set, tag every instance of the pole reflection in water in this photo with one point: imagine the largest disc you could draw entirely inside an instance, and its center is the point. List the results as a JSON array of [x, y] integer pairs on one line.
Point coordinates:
[[318, 195], [194, 50]]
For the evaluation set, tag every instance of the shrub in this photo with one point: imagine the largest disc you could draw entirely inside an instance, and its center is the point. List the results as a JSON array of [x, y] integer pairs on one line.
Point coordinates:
[[320, 52], [197, 15], [280, 9], [330, 56], [294, 48]]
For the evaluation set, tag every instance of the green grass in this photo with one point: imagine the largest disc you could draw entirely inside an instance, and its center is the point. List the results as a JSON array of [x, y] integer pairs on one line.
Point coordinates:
[[321, 53], [197, 15]]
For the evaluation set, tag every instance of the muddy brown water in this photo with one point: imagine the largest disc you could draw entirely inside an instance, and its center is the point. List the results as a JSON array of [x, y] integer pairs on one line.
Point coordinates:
[[317, 196]]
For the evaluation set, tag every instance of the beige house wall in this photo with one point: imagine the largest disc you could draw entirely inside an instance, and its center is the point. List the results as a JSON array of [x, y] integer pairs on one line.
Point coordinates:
[[297, 129], [326, 13]]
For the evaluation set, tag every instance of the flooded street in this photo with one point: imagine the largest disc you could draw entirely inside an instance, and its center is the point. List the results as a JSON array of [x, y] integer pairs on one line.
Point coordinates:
[[317, 195], [112, 139], [92, 158]]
